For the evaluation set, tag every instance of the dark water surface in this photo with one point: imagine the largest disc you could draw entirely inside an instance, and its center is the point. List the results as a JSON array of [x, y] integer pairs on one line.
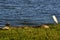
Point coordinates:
[[28, 12]]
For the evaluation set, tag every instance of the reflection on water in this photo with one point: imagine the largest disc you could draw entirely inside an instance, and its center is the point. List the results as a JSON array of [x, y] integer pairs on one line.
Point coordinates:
[[28, 12]]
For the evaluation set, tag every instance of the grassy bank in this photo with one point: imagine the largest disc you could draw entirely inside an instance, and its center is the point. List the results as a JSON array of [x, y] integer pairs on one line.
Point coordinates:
[[29, 33]]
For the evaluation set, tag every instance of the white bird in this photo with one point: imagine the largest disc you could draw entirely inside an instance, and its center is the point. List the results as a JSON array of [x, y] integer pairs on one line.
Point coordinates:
[[55, 19]]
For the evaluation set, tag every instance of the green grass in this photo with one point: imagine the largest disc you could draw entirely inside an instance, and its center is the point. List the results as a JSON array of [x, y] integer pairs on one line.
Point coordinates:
[[29, 33]]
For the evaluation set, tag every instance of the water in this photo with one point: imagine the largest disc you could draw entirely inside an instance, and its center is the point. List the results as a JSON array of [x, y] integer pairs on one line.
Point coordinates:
[[28, 12]]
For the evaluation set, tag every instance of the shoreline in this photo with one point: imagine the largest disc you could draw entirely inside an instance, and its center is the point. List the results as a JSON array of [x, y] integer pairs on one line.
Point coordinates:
[[29, 33]]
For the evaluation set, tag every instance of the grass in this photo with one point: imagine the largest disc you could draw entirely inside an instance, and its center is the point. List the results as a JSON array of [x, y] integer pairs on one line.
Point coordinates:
[[29, 33]]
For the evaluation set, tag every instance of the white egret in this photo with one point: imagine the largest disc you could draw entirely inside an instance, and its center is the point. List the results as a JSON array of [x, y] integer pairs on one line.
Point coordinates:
[[55, 19]]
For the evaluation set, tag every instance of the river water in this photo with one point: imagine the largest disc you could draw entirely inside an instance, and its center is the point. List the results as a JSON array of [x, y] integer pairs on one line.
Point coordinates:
[[28, 12]]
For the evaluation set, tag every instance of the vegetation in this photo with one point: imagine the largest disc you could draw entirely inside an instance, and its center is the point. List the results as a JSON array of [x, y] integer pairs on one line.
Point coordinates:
[[29, 33]]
